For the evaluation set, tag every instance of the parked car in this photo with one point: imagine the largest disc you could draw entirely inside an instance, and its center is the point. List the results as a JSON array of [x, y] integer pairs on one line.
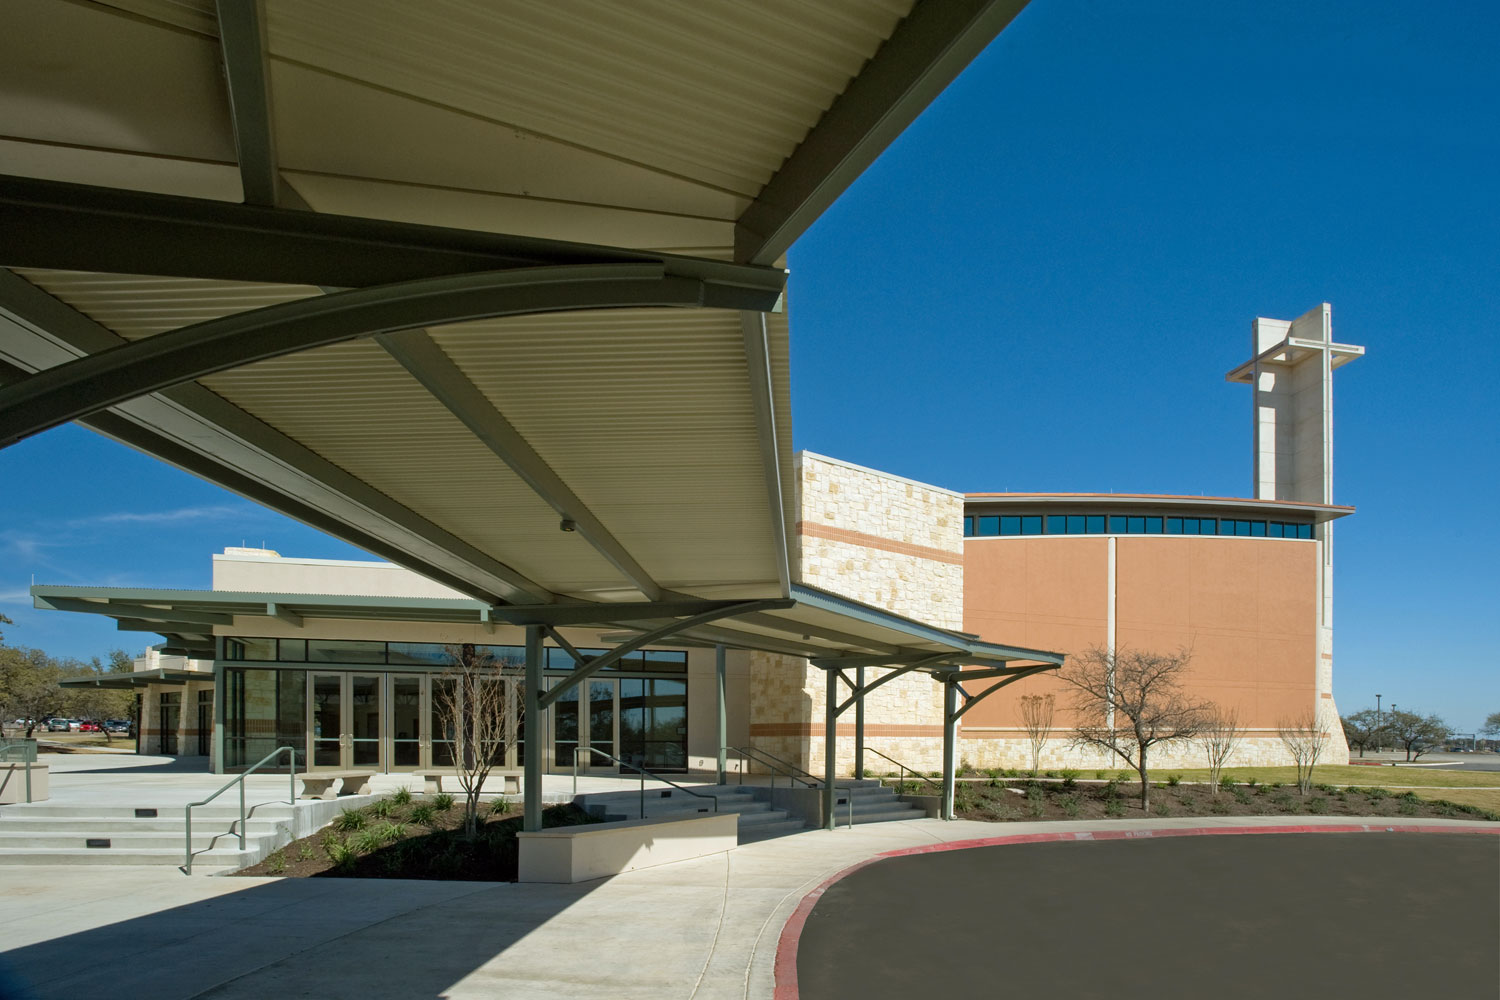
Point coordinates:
[[119, 726], [75, 725], [88, 727], [57, 725]]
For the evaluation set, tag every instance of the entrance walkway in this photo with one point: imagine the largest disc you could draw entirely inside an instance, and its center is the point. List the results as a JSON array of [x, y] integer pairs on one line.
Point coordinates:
[[705, 929]]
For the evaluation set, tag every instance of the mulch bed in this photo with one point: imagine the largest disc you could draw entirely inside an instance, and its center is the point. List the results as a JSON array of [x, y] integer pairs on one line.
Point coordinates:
[[421, 838], [1029, 800]]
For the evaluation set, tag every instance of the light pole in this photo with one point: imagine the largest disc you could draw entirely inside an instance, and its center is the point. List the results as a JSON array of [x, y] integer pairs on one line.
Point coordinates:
[[1377, 719]]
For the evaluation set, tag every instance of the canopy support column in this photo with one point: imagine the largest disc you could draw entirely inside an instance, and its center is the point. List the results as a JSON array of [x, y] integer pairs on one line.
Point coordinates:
[[723, 721], [859, 722], [950, 742], [830, 744], [531, 788]]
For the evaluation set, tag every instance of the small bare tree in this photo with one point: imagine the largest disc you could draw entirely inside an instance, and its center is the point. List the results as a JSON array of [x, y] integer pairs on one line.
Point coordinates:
[[1221, 734], [1036, 715], [1128, 701], [1305, 739], [478, 704]]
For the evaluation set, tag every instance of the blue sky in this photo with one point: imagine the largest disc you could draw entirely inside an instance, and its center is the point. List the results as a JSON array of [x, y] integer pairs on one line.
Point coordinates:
[[1040, 287]]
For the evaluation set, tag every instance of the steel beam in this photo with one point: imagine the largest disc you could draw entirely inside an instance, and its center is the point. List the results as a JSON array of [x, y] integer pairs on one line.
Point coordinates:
[[416, 351], [886, 678], [721, 702], [559, 615], [970, 700], [593, 666], [123, 609], [283, 613], [242, 39], [926, 51], [199, 432], [531, 789], [762, 396], [98, 381], [830, 746], [859, 722], [53, 224], [950, 744]]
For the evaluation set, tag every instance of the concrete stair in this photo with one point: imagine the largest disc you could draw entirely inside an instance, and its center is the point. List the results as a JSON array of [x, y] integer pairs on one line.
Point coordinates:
[[51, 834], [757, 819], [875, 803]]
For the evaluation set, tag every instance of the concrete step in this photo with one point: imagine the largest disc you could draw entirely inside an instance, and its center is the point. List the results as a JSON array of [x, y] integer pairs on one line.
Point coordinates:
[[900, 812], [134, 856], [104, 825], [758, 819], [202, 839], [215, 810], [765, 831]]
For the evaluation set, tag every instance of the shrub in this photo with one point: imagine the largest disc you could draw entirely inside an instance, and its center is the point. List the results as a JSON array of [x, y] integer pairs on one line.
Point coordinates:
[[389, 832], [349, 820], [1112, 789], [1251, 781], [1327, 789], [442, 802], [934, 774], [1241, 796], [423, 814], [305, 852], [1049, 774], [500, 806], [996, 782], [1219, 807], [1407, 808], [276, 863], [995, 774], [402, 796], [1070, 805], [366, 840], [1174, 780], [1099, 775], [1445, 808], [1069, 777], [1275, 785], [1284, 802], [1114, 807], [1003, 811], [341, 854], [1037, 809], [1376, 793], [1162, 809], [382, 809], [1034, 792], [1226, 783], [1318, 806]]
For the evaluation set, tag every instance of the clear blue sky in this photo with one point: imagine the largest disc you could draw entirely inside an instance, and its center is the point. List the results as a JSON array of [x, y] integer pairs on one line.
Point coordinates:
[[1040, 287]]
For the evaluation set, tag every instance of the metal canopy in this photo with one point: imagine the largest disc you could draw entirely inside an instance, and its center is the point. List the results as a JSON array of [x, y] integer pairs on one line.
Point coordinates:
[[186, 182], [788, 625], [139, 678]]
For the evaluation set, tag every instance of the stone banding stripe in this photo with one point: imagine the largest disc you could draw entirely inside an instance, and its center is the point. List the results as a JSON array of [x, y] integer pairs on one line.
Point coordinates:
[[812, 529]]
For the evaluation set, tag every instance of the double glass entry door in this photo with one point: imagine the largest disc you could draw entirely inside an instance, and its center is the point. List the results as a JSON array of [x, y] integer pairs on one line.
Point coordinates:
[[346, 712], [586, 719]]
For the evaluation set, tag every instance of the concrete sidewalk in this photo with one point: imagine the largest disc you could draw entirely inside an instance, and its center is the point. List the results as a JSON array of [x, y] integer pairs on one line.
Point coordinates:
[[699, 929]]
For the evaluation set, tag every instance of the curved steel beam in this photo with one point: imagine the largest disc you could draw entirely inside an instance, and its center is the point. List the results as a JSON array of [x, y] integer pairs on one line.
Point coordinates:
[[970, 700], [90, 384]]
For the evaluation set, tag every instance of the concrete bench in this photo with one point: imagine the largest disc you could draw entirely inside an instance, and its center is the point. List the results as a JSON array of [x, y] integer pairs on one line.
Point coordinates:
[[432, 779], [597, 850], [319, 784]]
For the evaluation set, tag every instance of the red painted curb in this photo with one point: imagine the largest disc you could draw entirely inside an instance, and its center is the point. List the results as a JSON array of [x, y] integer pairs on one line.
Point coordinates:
[[786, 946]]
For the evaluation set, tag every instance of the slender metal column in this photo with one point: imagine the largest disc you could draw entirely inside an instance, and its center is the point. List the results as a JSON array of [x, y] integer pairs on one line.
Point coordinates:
[[723, 720], [220, 682], [859, 722], [532, 778], [950, 740], [830, 745]]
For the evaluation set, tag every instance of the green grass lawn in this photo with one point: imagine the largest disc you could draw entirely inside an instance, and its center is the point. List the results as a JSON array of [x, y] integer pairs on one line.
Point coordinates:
[[1335, 774], [1484, 798]]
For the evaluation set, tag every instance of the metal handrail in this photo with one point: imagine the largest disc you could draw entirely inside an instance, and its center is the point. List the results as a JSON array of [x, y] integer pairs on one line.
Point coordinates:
[[643, 773], [904, 768], [239, 779], [811, 781], [27, 756], [744, 754]]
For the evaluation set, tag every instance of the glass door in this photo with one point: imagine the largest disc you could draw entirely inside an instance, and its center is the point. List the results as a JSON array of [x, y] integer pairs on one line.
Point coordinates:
[[406, 722], [326, 710], [590, 722], [364, 724]]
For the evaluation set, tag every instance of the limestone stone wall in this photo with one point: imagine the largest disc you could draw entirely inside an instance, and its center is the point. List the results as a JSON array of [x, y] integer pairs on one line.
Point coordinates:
[[884, 541], [1013, 750]]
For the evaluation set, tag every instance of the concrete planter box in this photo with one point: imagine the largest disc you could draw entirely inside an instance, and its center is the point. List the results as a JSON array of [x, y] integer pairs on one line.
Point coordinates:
[[931, 804], [580, 853], [13, 782]]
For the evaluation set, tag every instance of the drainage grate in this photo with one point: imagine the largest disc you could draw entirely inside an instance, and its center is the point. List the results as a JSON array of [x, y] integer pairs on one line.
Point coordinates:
[[96, 842], [145, 814]]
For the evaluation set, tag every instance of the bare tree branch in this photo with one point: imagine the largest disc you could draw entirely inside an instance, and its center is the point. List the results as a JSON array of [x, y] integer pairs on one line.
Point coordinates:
[[1037, 711], [1306, 740], [479, 707], [1128, 701], [1220, 736]]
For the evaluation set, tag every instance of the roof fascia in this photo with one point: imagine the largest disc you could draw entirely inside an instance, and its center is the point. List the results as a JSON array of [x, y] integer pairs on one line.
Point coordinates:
[[925, 52]]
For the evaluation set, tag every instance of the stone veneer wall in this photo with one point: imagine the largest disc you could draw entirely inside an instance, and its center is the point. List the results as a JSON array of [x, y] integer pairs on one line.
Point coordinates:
[[888, 542]]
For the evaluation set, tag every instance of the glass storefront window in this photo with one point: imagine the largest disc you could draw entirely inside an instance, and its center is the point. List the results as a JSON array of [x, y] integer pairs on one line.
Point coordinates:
[[653, 723], [345, 651], [250, 649], [263, 710]]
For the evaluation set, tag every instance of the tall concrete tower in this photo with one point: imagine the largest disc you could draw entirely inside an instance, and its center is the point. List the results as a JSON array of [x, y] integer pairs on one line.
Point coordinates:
[[1290, 373]]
